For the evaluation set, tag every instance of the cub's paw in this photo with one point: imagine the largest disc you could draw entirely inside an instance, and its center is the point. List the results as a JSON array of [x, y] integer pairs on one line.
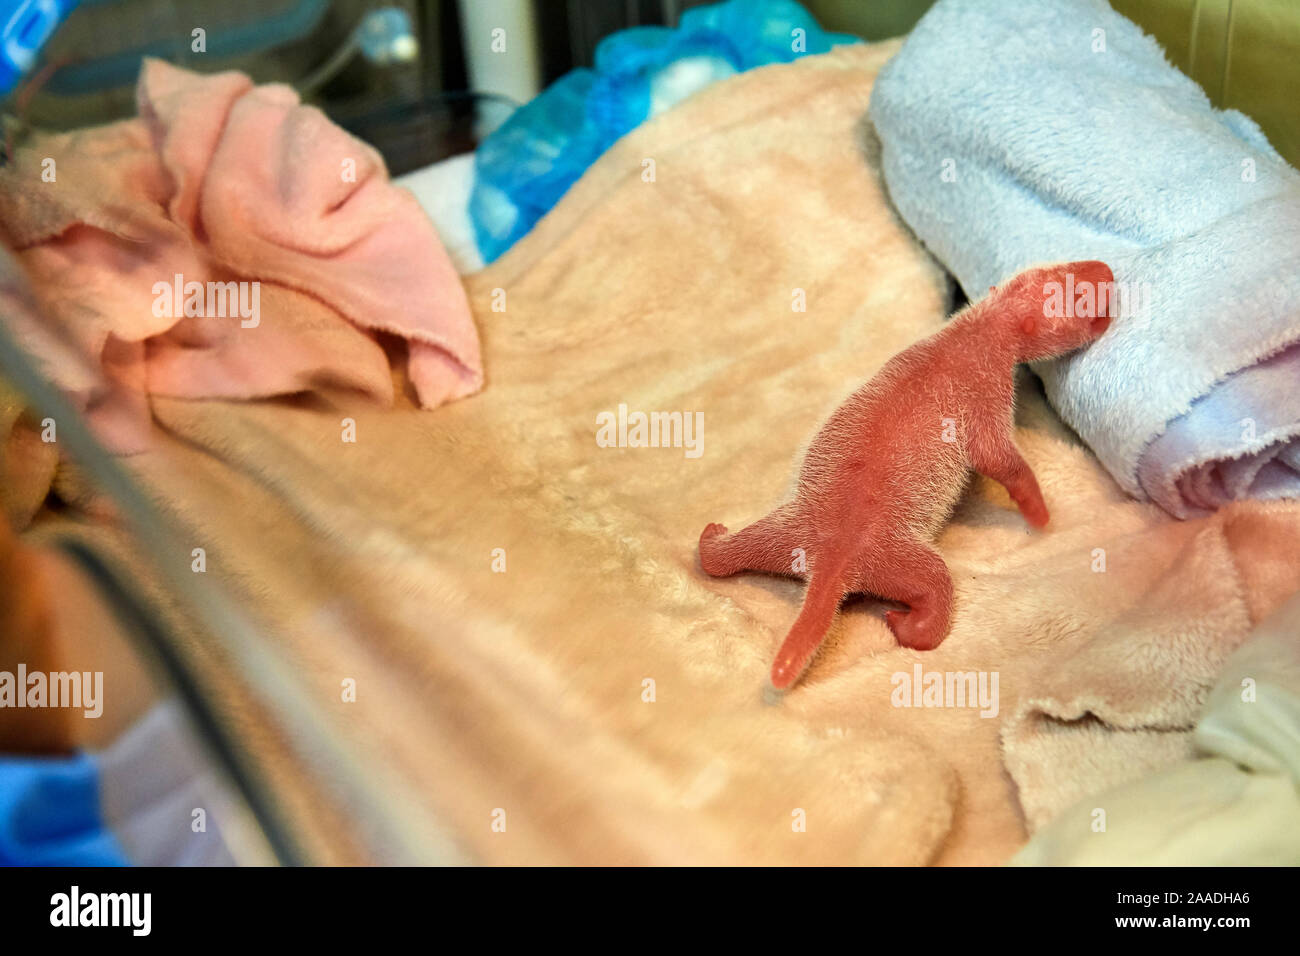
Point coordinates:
[[711, 559], [916, 629]]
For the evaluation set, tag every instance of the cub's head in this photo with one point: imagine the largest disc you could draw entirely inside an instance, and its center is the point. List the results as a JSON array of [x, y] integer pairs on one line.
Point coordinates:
[[1056, 309]]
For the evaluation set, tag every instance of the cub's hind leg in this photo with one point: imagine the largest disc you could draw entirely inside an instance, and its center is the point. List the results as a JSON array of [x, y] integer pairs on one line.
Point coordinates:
[[771, 544], [912, 573]]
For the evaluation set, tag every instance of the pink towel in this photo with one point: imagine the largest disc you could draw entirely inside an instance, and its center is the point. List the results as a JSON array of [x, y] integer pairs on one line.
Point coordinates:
[[223, 181]]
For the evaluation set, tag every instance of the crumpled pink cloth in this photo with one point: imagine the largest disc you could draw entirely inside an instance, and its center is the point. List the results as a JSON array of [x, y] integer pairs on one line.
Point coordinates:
[[219, 180]]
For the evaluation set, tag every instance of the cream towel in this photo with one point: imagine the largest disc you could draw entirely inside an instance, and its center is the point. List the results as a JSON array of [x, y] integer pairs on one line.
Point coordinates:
[[1234, 801]]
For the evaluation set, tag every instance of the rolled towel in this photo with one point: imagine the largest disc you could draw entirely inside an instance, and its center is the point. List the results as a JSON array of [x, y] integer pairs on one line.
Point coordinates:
[[1014, 134]]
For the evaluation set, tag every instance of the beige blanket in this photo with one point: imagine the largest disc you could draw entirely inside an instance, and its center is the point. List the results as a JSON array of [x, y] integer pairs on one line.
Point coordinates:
[[596, 686]]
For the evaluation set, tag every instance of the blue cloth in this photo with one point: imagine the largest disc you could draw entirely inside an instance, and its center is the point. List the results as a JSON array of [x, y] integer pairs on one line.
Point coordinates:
[[1014, 134], [130, 803], [25, 26], [50, 814], [524, 167]]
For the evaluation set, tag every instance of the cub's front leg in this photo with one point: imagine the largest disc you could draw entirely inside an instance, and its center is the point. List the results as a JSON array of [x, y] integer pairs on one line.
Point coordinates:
[[1000, 459]]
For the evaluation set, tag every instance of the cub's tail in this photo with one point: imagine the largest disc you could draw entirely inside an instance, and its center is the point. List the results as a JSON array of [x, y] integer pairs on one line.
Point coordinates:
[[825, 591]]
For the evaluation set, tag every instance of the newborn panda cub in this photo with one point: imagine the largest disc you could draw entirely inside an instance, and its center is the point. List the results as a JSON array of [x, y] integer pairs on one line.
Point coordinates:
[[883, 474]]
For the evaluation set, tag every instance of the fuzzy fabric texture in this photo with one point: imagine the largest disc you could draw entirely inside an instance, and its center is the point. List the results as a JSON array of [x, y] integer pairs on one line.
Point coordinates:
[[1123, 700], [588, 679], [1017, 133], [222, 181], [1235, 797]]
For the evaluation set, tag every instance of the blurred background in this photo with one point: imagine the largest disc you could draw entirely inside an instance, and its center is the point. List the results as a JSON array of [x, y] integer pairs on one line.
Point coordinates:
[[420, 80]]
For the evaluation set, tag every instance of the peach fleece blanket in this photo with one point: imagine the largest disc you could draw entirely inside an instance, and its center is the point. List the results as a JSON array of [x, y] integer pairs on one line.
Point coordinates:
[[126, 229], [522, 610]]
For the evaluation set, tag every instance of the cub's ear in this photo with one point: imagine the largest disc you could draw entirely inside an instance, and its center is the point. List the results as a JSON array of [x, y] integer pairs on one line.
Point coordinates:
[[1029, 324]]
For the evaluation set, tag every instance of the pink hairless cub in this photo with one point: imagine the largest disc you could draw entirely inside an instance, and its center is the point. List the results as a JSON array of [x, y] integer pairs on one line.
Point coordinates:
[[883, 474]]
